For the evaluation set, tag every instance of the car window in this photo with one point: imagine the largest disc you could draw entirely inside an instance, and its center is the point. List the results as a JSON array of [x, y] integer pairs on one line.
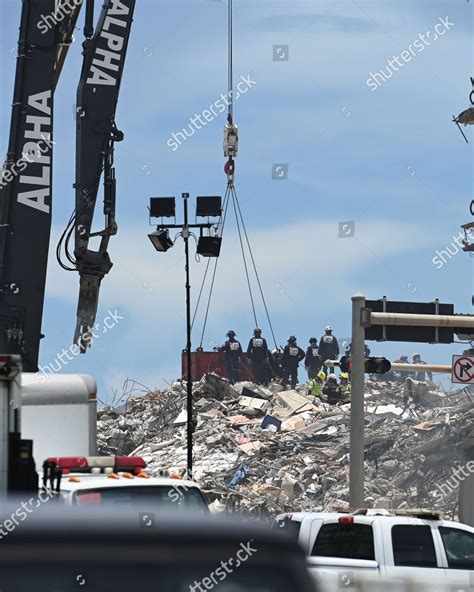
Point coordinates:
[[348, 541], [175, 498], [413, 546], [292, 527], [459, 547]]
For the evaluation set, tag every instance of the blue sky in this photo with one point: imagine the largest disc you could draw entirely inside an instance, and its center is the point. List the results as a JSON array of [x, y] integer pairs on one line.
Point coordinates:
[[389, 160]]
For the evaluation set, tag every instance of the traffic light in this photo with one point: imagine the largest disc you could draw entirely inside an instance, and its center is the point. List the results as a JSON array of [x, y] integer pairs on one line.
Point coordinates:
[[377, 365], [345, 364], [373, 365]]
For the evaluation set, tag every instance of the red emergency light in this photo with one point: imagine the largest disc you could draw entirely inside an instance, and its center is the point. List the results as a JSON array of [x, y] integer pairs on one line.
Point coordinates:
[[346, 520], [85, 464]]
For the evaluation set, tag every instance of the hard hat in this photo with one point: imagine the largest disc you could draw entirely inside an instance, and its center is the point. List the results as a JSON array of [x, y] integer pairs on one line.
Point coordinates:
[[328, 328], [313, 340], [344, 376], [230, 332], [275, 351], [291, 338], [321, 375], [332, 377], [416, 356], [257, 330]]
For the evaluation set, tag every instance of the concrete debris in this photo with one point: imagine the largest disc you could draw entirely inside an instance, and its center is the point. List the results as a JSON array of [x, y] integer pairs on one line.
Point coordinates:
[[269, 450]]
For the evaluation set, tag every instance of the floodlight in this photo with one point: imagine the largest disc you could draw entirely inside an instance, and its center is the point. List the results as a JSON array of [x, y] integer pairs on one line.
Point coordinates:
[[209, 246], [161, 240], [162, 207], [208, 205]]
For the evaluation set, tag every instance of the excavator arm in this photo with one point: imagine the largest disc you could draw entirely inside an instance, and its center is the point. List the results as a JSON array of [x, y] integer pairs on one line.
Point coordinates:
[[97, 95], [46, 30]]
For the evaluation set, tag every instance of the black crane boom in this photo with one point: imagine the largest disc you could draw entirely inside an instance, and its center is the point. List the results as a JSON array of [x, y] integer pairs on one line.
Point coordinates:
[[26, 183]]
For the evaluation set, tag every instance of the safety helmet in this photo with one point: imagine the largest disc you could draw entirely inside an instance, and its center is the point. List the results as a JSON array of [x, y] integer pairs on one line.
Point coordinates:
[[231, 333], [257, 330], [291, 338], [275, 351], [321, 375], [328, 329], [313, 340], [332, 378], [344, 376]]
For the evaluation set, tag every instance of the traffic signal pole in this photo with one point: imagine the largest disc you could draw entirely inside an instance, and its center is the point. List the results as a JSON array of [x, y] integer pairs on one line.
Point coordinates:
[[363, 318], [356, 483]]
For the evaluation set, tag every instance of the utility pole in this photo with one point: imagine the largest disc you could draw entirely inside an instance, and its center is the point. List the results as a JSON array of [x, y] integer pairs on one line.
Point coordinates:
[[356, 484], [189, 385]]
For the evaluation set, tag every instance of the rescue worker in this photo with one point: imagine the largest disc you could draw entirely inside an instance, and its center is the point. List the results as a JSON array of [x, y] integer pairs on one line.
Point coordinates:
[[274, 359], [257, 350], [292, 356], [328, 347], [421, 374], [403, 373], [233, 351], [332, 390], [312, 361], [348, 350], [345, 386], [315, 385]]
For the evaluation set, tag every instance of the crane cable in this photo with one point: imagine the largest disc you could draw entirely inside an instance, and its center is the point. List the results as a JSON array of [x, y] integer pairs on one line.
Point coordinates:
[[236, 201], [230, 111], [225, 206], [243, 255], [231, 194]]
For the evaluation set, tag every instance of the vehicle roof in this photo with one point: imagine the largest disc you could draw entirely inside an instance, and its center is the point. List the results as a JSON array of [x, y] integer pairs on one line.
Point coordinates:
[[101, 481], [299, 516]]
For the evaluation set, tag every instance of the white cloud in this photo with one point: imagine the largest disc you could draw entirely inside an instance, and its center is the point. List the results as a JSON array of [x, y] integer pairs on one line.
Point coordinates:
[[149, 286]]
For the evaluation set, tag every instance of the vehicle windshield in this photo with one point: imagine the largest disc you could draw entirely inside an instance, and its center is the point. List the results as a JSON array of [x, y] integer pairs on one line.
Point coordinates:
[[176, 497]]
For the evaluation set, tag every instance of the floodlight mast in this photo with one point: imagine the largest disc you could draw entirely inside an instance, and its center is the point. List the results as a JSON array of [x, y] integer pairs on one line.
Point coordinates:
[[157, 209]]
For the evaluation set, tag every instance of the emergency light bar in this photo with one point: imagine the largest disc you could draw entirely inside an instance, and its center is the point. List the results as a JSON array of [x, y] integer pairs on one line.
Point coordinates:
[[97, 464]]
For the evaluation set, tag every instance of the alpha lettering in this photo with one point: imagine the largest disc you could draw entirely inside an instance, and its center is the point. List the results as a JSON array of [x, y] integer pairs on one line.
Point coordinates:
[[109, 58]]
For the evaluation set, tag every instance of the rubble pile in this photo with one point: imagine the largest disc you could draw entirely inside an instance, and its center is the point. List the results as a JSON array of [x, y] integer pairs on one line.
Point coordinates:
[[270, 449]]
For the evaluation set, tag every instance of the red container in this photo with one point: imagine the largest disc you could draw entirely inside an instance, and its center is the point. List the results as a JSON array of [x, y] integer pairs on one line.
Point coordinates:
[[203, 362]]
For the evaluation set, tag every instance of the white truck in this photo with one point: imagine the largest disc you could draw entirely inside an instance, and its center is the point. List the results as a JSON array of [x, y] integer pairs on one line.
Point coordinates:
[[416, 545]]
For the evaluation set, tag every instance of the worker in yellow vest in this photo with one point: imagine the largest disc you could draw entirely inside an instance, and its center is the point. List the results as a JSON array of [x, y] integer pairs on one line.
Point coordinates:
[[315, 385], [345, 386]]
